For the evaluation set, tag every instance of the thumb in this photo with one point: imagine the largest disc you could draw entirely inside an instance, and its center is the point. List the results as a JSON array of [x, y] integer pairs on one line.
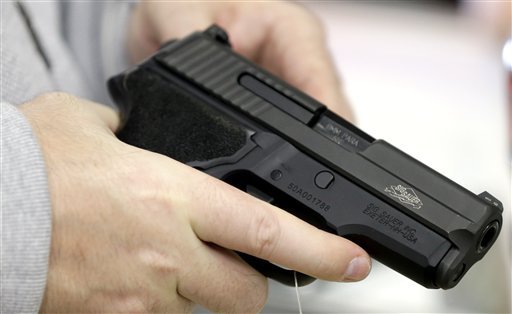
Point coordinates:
[[58, 104], [104, 115]]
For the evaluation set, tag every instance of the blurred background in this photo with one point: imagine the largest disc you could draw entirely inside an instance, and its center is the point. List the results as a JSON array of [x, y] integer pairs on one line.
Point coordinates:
[[428, 77]]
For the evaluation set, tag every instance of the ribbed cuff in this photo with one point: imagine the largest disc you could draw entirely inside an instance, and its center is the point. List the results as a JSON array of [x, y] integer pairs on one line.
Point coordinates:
[[26, 215]]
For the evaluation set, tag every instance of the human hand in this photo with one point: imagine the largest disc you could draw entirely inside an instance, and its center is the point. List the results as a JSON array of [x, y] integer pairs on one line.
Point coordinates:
[[135, 231], [283, 37]]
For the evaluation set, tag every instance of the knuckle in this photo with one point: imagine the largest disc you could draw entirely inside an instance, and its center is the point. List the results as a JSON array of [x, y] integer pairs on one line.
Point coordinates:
[[159, 262], [143, 183], [266, 235], [139, 169]]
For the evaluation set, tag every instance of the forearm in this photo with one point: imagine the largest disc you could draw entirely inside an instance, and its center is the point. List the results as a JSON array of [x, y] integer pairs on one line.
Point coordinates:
[[26, 215]]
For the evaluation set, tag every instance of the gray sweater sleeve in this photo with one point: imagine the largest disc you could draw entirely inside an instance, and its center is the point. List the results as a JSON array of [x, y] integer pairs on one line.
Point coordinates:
[[84, 46], [26, 215], [96, 34]]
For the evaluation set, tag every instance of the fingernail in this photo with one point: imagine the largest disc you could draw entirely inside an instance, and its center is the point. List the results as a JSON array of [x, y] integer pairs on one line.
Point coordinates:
[[357, 269]]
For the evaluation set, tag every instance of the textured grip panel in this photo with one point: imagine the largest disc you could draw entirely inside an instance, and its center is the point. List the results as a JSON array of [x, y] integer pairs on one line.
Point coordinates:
[[167, 120]]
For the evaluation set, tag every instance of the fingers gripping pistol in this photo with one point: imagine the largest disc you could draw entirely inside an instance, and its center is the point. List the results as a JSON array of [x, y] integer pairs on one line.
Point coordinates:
[[200, 103]]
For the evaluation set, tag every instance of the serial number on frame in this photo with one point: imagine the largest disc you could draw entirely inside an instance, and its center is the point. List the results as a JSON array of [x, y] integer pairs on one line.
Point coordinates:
[[305, 195]]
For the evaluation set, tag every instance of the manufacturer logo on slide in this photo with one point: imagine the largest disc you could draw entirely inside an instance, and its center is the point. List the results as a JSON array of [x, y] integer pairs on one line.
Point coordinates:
[[404, 195]]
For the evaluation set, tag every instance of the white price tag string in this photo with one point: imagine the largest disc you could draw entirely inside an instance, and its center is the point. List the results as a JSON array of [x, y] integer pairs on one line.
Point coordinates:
[[297, 291]]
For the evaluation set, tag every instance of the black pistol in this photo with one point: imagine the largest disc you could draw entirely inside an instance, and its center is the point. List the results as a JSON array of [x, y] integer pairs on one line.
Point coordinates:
[[197, 101]]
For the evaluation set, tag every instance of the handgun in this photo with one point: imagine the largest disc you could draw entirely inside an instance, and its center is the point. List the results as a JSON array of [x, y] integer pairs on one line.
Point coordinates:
[[199, 102]]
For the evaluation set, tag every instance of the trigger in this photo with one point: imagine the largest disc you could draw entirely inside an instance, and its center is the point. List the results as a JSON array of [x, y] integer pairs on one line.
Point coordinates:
[[252, 190]]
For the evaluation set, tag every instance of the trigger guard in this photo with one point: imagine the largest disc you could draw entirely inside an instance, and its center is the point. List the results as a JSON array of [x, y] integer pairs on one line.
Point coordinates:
[[284, 276]]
